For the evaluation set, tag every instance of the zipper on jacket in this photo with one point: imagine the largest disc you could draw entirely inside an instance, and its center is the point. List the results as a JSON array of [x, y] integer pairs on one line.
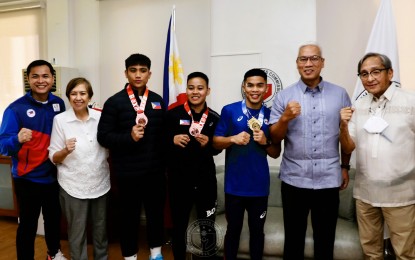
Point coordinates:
[[27, 161]]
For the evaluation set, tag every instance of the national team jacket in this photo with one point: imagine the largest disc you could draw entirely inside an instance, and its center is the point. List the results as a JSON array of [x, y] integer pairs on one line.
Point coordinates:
[[191, 164], [130, 158], [30, 160]]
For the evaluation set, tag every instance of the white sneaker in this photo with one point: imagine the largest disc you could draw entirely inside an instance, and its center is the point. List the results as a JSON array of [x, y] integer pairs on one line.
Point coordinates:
[[133, 257], [158, 257], [58, 256]]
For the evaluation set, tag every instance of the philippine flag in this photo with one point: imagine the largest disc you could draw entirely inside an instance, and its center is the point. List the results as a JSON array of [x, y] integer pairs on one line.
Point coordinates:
[[184, 122], [156, 105], [174, 85]]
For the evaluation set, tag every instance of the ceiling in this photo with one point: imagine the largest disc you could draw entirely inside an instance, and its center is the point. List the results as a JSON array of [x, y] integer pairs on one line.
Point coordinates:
[[6, 1]]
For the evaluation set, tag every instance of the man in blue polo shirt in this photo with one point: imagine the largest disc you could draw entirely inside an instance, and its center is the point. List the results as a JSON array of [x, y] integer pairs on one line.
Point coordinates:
[[306, 115], [243, 131]]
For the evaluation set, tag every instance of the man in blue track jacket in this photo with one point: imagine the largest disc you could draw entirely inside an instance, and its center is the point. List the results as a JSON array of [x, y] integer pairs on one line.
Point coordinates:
[[25, 136]]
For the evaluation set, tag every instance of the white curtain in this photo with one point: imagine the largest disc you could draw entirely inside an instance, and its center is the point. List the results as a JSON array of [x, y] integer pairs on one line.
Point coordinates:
[[21, 34]]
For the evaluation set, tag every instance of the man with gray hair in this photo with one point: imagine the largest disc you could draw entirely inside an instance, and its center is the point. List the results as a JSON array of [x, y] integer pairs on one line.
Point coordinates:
[[306, 115], [381, 127]]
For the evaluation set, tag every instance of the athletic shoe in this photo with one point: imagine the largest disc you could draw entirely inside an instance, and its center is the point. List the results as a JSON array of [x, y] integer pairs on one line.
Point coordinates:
[[158, 257], [58, 256], [133, 257]]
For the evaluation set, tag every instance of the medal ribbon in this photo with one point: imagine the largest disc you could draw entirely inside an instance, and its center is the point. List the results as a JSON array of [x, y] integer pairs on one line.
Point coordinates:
[[202, 120], [138, 109], [261, 112]]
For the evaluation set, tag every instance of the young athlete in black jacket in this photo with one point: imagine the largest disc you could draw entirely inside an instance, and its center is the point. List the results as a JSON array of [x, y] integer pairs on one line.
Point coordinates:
[[191, 169]]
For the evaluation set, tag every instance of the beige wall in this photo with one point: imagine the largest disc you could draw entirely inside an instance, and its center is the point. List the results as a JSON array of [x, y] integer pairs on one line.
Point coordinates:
[[405, 23], [223, 38], [220, 37], [261, 34], [343, 29], [206, 30], [96, 37], [131, 26], [73, 31]]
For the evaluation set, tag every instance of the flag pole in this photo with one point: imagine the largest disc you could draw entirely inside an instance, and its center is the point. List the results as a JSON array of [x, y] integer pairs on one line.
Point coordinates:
[[174, 17], [174, 84]]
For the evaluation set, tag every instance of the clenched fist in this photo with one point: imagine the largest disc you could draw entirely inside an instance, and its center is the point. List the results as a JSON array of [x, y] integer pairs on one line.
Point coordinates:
[[241, 139], [346, 114], [70, 144], [24, 135], [137, 132], [292, 110]]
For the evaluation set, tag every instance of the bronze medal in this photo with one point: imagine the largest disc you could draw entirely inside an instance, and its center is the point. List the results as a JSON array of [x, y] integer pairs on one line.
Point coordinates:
[[194, 129], [141, 119]]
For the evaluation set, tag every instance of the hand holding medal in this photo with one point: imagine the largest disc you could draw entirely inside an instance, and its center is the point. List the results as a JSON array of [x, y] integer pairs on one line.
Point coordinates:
[[137, 132], [195, 129], [259, 137], [141, 118], [202, 139], [181, 140], [254, 124]]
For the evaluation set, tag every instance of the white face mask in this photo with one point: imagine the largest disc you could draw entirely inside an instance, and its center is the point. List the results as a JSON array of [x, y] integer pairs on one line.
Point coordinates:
[[375, 125]]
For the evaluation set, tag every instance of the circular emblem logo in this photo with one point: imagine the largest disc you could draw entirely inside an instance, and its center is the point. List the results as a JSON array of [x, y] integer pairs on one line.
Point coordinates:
[[204, 238], [30, 113], [274, 86]]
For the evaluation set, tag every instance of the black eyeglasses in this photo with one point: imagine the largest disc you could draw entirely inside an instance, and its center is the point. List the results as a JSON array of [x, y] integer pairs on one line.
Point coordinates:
[[314, 59], [374, 73]]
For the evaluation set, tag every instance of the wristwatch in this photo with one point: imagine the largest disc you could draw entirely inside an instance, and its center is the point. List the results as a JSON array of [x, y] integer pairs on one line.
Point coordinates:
[[268, 143], [345, 166]]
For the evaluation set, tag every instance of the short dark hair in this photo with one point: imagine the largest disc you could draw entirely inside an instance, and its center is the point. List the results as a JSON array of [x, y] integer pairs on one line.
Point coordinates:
[[198, 74], [386, 62], [37, 63], [255, 72], [75, 82], [137, 59]]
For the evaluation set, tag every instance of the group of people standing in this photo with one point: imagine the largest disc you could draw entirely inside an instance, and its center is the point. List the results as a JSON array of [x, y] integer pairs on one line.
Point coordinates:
[[144, 142]]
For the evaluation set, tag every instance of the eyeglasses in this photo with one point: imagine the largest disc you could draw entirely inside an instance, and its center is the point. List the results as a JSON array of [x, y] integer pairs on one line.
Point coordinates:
[[314, 59], [374, 73]]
